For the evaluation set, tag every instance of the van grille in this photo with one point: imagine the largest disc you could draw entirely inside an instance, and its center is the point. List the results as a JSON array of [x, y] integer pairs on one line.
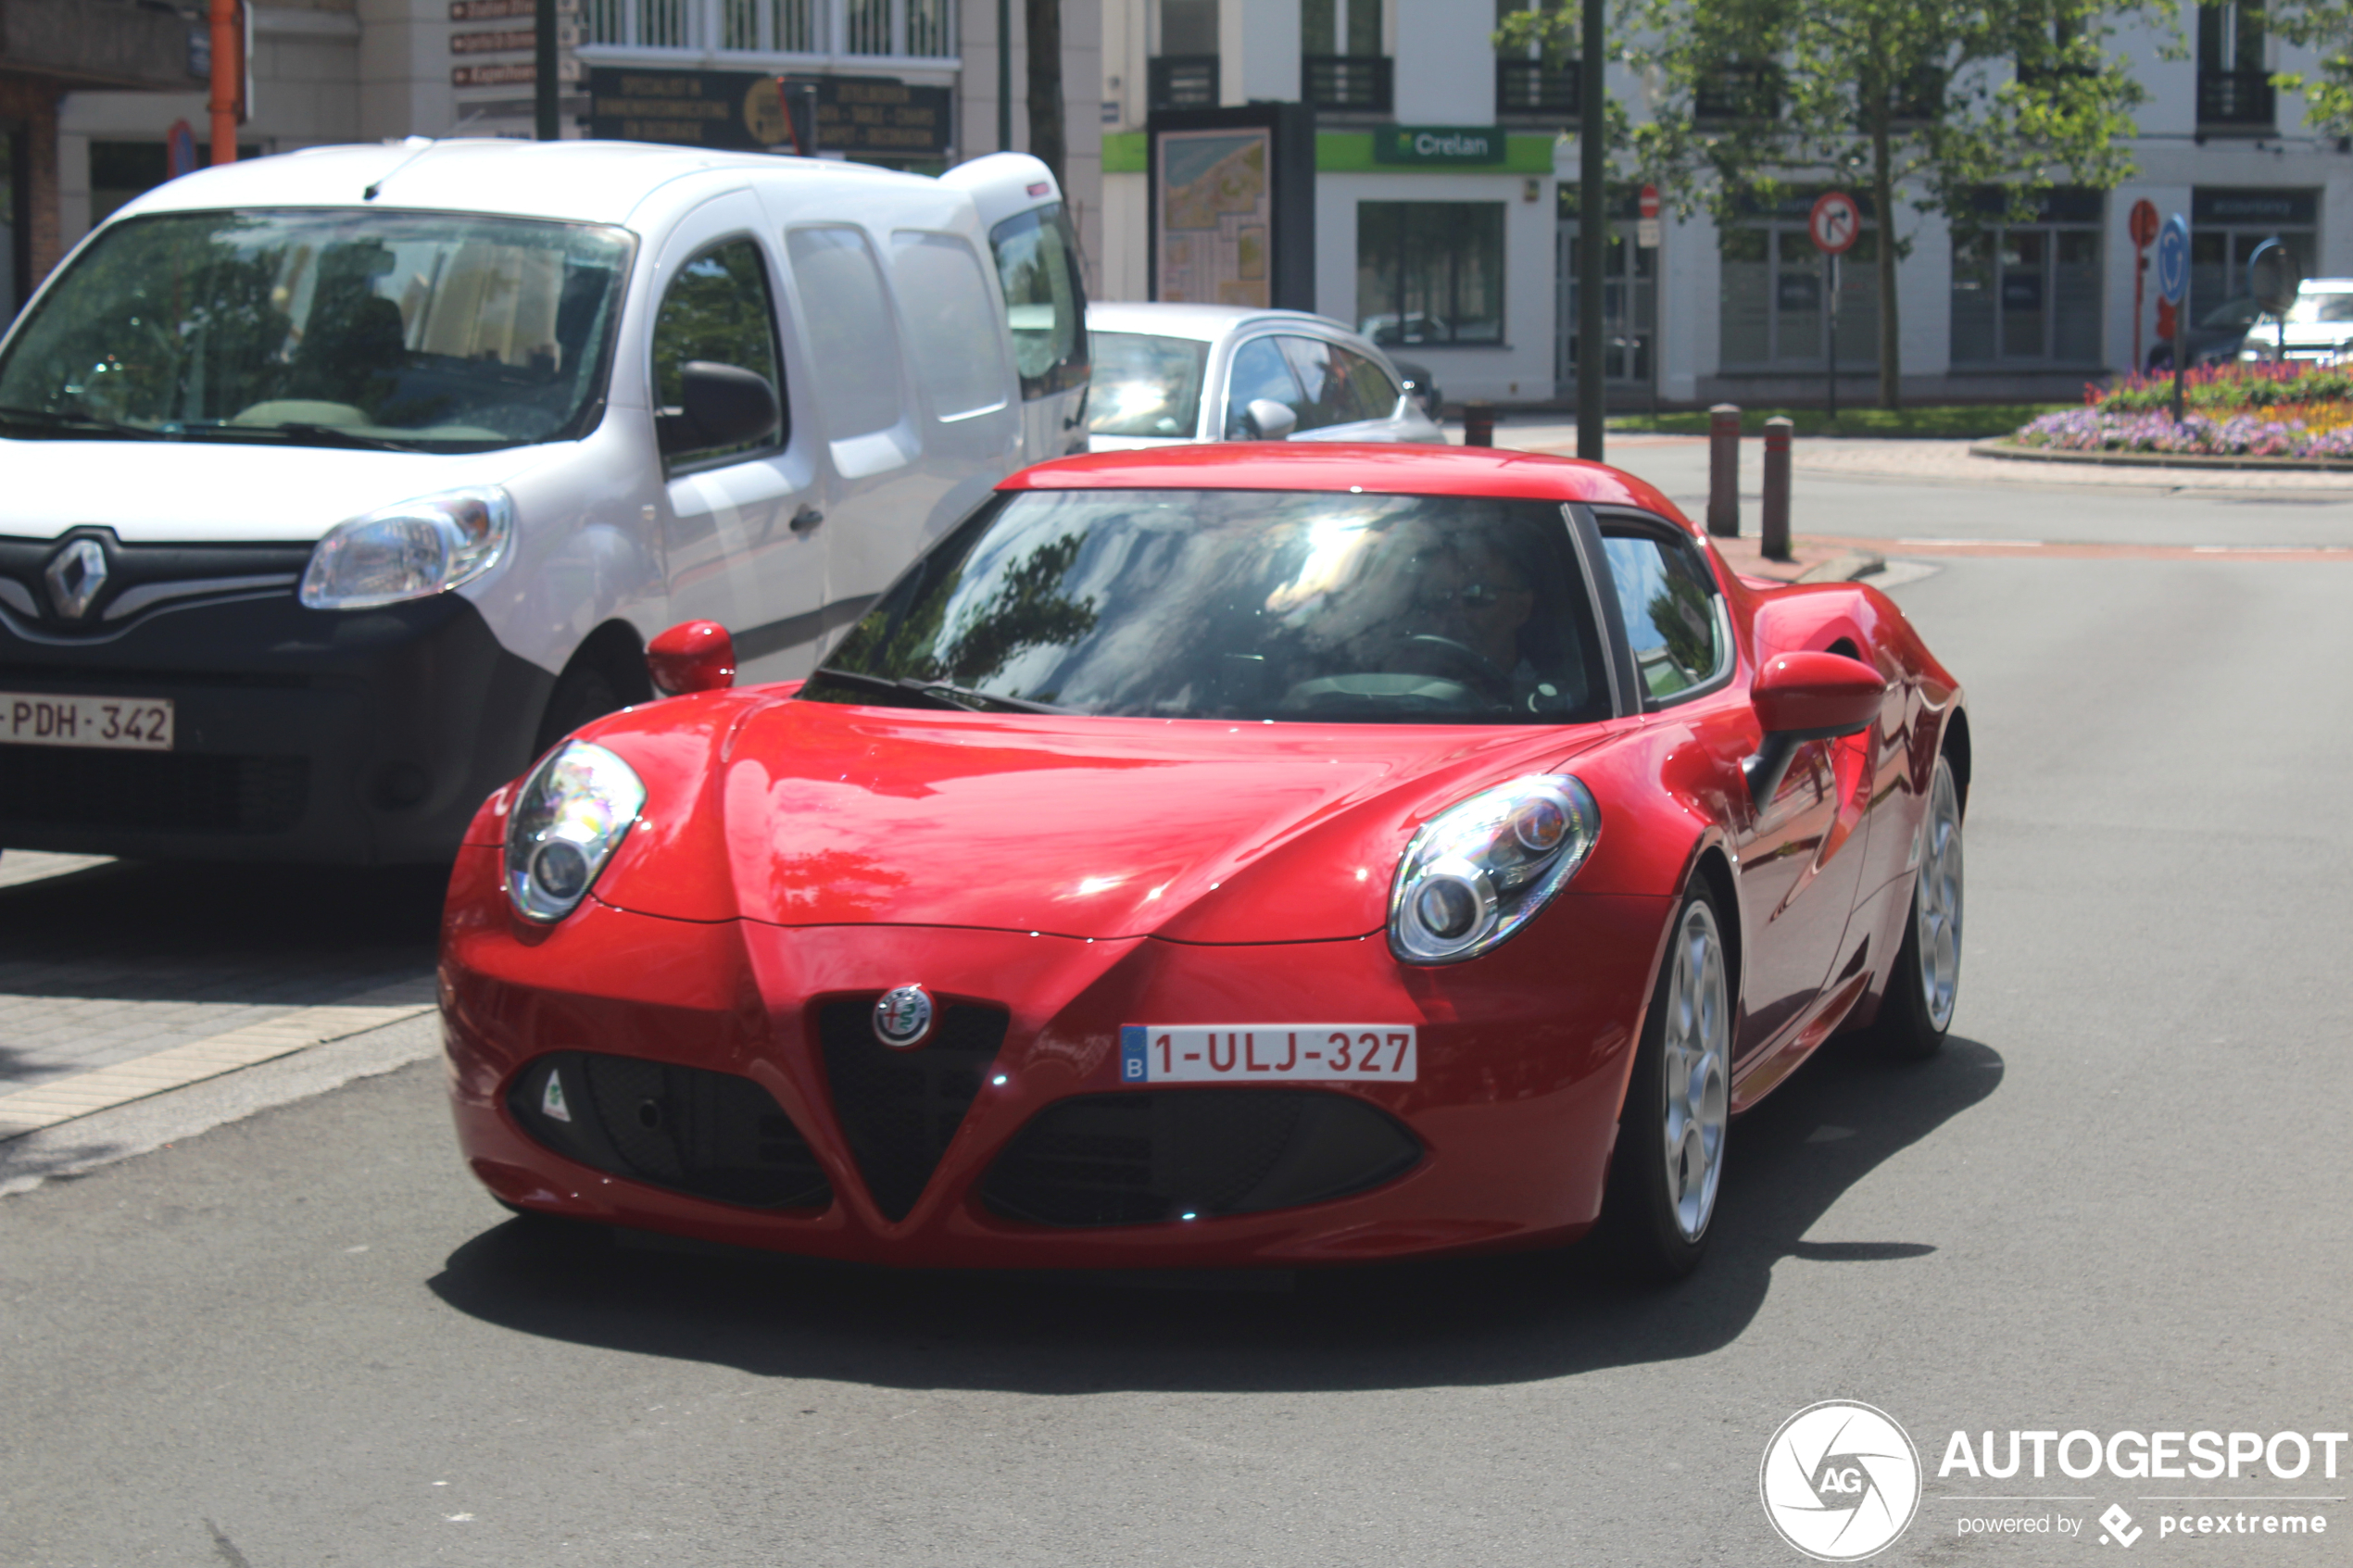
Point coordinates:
[[157, 791]]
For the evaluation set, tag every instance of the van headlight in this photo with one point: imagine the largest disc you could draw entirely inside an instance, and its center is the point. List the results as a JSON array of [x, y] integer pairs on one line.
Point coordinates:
[[1478, 872], [572, 814], [408, 551]]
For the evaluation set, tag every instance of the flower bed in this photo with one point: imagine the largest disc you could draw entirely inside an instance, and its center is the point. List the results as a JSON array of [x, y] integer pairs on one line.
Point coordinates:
[[2254, 410]]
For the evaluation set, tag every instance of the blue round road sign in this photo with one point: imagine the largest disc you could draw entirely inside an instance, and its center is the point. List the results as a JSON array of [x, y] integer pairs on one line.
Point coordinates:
[[2173, 258]]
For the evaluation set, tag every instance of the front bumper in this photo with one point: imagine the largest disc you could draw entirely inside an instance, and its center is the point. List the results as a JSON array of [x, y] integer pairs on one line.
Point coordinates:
[[363, 737], [1524, 1056]]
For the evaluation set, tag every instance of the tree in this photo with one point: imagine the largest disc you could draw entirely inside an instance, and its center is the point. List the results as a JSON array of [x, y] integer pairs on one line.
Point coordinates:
[[2326, 25], [1046, 141], [1925, 101]]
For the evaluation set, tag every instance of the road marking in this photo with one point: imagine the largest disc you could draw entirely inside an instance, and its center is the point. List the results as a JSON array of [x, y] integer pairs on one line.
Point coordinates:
[[28, 1110], [2045, 549]]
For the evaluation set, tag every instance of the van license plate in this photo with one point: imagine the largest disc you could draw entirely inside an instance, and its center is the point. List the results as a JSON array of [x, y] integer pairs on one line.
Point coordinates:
[[116, 723]]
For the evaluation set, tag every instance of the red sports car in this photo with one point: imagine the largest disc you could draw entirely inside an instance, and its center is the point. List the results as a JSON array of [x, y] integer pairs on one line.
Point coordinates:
[[1226, 855]]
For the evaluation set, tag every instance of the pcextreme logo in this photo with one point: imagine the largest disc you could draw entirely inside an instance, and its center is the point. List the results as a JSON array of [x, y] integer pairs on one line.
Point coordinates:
[[1840, 1481]]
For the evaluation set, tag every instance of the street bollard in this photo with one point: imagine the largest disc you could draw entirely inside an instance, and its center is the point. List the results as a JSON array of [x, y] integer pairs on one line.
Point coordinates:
[[1478, 423], [1724, 471], [1775, 524]]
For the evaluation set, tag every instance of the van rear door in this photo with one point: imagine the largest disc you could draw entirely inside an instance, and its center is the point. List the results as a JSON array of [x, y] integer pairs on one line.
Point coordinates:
[[1035, 249]]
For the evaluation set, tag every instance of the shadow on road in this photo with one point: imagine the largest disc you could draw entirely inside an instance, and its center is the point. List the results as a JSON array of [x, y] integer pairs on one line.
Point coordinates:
[[128, 931], [1465, 1322]]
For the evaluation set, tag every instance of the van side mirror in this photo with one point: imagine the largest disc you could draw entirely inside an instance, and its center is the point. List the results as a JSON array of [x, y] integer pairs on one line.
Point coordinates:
[[1269, 421], [694, 655], [719, 406], [1803, 697]]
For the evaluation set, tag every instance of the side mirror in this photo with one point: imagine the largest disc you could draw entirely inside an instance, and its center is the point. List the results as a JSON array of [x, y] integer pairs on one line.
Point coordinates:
[[1803, 697], [694, 655], [1269, 421], [719, 406]]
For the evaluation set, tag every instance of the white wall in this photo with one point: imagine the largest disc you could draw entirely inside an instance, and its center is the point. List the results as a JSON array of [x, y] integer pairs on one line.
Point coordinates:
[[1445, 70], [1258, 50]]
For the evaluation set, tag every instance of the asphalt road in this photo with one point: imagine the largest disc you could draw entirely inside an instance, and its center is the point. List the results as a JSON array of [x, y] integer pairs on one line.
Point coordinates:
[[2116, 1202]]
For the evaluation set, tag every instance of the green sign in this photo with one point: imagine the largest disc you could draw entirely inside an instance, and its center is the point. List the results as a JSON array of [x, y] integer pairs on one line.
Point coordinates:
[[1451, 144]]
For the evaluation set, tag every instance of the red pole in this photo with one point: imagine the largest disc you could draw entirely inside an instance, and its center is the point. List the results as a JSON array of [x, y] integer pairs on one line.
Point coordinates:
[[227, 73], [2140, 266]]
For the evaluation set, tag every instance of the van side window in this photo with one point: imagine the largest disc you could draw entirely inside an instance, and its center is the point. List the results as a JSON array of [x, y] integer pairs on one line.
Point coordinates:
[[1045, 305], [1674, 619], [717, 308], [947, 299], [851, 332]]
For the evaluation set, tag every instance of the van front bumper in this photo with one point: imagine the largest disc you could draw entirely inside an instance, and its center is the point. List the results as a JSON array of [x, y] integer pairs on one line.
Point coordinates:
[[350, 737]]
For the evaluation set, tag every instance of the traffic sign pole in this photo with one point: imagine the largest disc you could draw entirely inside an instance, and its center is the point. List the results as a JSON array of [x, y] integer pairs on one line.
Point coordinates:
[[2174, 285]]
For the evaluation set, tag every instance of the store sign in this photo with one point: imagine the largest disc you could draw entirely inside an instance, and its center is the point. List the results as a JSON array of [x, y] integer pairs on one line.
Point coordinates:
[[2254, 207], [744, 110], [1444, 145]]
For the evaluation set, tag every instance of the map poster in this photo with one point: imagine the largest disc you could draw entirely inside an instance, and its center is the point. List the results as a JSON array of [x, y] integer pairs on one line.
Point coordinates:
[[1215, 207]]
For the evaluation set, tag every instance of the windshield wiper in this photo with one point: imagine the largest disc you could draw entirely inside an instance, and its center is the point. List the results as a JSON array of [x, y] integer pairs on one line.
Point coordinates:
[[57, 419], [940, 693], [332, 435]]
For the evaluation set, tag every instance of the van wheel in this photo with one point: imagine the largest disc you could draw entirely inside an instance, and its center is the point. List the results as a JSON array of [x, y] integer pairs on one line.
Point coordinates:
[[584, 692]]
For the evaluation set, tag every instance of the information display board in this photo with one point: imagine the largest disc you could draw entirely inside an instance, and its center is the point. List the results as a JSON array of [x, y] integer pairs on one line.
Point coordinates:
[[1232, 206], [857, 115]]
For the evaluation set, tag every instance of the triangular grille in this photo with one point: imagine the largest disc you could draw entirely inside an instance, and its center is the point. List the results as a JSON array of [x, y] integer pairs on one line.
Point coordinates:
[[899, 1109]]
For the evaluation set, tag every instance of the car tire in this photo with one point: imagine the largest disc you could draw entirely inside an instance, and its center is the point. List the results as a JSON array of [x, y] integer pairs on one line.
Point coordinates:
[[1667, 1172], [1918, 1009], [585, 690]]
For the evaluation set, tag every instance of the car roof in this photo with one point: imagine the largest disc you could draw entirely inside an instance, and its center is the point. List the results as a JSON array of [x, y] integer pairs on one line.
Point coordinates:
[[1402, 470], [1204, 323], [575, 181]]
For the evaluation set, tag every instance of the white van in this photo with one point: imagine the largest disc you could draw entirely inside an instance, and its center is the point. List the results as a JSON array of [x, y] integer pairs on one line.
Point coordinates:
[[340, 484]]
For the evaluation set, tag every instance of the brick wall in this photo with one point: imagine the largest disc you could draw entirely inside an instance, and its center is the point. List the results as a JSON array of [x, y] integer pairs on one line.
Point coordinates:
[[31, 107]]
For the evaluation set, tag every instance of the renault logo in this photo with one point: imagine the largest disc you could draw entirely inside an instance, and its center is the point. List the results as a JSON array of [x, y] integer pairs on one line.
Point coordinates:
[[902, 1017], [75, 575]]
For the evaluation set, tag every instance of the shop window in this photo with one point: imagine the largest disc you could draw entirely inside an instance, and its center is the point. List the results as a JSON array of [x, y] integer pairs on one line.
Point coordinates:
[[2026, 291], [1775, 296], [1430, 273]]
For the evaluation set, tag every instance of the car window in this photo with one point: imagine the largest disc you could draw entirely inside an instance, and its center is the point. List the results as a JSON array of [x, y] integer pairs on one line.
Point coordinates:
[[1045, 305], [1674, 619], [1311, 606], [717, 308], [1372, 395], [1259, 371], [449, 331], [1325, 396], [851, 332], [1145, 385], [947, 311], [2312, 308]]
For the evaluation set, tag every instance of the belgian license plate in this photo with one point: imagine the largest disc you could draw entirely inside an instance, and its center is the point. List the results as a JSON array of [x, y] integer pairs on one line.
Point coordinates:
[[1261, 1053], [119, 723]]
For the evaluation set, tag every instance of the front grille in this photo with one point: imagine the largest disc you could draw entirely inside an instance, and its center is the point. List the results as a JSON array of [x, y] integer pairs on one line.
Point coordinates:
[[899, 1108], [714, 1134], [140, 578], [154, 792], [1141, 1158]]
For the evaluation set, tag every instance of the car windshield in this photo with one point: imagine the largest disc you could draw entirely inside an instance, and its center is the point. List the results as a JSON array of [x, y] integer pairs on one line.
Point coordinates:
[[2313, 308], [426, 330], [1146, 384], [1239, 605]]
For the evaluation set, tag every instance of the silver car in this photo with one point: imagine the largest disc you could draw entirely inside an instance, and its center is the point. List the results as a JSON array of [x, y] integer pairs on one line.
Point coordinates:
[[1170, 374]]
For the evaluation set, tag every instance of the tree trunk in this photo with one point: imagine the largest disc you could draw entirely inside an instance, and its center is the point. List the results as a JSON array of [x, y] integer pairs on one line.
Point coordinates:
[[1891, 357], [1045, 17]]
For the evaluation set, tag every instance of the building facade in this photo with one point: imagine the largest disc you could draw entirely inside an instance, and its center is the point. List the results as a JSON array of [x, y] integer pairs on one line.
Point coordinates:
[[344, 71], [1467, 262]]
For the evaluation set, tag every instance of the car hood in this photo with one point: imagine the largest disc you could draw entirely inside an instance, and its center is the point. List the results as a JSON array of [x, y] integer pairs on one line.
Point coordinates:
[[1195, 830], [170, 491]]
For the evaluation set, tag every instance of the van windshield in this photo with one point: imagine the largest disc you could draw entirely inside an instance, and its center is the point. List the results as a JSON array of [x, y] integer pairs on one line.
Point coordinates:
[[430, 332]]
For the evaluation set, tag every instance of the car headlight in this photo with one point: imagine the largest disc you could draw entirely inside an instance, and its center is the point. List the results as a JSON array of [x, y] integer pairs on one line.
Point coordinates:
[[1478, 872], [572, 814], [411, 550]]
